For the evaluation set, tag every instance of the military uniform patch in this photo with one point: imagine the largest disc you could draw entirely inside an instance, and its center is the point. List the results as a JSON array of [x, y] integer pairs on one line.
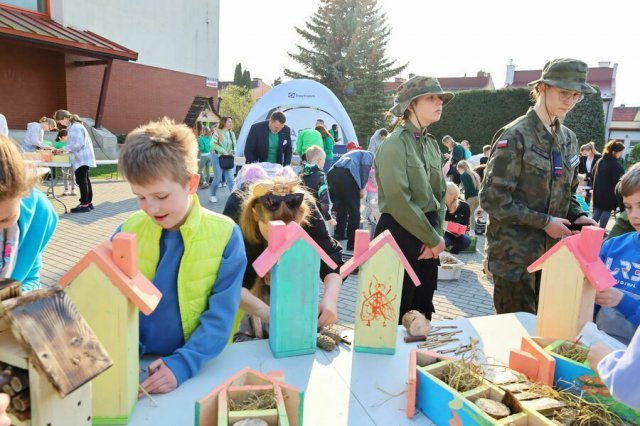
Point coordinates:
[[574, 161], [538, 150], [502, 144]]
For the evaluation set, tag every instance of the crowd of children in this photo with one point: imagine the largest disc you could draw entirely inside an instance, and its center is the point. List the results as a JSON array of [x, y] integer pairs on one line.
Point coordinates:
[[198, 259]]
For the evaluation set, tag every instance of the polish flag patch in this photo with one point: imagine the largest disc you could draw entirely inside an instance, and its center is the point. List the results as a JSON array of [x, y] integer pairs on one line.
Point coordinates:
[[502, 143]]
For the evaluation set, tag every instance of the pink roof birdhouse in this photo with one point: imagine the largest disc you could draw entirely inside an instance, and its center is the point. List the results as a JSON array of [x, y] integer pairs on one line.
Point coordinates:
[[585, 248], [117, 259], [365, 249], [281, 238]]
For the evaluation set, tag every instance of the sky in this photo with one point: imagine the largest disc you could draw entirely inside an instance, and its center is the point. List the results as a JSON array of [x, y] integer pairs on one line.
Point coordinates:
[[450, 38]]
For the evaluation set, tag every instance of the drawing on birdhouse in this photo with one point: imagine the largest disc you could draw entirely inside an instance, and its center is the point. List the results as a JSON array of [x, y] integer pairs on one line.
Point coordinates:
[[250, 395], [378, 305], [381, 274], [48, 356], [572, 273], [293, 259], [109, 291]]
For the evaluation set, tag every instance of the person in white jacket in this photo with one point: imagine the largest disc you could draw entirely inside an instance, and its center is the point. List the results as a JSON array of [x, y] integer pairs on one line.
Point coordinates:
[[34, 138], [81, 156]]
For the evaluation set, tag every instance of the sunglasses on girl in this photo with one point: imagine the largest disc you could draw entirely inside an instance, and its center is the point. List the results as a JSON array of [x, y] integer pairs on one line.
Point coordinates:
[[272, 202]]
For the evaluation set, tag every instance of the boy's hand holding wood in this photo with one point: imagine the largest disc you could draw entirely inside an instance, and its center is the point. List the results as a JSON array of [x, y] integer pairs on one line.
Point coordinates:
[[161, 379]]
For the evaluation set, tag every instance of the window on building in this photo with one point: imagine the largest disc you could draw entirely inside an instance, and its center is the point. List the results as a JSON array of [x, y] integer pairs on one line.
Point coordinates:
[[35, 5]]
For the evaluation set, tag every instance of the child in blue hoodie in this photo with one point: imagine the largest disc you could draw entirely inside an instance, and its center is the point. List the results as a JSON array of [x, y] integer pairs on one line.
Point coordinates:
[[194, 256], [27, 219], [619, 313]]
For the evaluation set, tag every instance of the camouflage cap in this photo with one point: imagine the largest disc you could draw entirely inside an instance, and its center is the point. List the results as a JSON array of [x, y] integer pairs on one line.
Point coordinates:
[[570, 74], [414, 88]]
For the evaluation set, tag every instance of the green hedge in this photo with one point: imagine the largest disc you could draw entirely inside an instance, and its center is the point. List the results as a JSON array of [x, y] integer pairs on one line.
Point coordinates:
[[476, 116]]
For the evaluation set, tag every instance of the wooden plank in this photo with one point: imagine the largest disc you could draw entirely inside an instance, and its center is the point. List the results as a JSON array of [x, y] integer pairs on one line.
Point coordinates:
[[12, 352], [378, 302], [270, 416], [116, 326], [295, 293], [562, 297], [49, 408], [57, 338]]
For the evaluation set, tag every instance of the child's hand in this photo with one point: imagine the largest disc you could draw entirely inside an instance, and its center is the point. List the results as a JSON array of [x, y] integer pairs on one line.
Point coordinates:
[[333, 222], [596, 353], [609, 298], [327, 312], [362, 193], [4, 403], [161, 379]]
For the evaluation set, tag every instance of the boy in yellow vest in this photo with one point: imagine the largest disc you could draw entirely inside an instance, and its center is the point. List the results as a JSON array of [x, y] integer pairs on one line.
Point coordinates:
[[195, 257]]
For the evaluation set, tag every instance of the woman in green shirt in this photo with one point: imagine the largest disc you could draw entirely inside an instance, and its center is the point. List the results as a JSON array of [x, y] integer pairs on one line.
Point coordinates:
[[328, 143], [412, 188]]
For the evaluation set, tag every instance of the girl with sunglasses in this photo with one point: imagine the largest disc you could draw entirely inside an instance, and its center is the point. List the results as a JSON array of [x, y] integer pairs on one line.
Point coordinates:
[[283, 198]]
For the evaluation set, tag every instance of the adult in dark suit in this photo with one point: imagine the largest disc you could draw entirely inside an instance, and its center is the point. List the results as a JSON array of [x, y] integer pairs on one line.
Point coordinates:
[[269, 141]]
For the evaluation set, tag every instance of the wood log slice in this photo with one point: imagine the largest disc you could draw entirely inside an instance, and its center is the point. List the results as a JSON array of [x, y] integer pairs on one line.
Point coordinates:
[[495, 409], [416, 323]]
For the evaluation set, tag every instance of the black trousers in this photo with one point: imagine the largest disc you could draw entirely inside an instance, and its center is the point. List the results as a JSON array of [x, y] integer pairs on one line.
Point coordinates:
[[419, 298], [345, 196], [84, 184]]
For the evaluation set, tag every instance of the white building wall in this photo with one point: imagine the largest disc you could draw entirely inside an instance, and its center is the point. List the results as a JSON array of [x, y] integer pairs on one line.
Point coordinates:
[[169, 34], [629, 137]]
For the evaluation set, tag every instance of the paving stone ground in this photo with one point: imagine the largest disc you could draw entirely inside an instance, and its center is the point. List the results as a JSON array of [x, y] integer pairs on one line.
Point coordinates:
[[469, 296]]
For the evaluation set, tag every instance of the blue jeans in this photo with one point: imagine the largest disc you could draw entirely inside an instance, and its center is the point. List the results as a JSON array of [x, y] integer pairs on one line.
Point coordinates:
[[217, 175], [601, 216], [457, 244]]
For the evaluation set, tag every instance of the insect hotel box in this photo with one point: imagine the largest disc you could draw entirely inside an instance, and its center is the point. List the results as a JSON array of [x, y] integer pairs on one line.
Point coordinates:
[[48, 356], [251, 395], [450, 391], [572, 372], [450, 267]]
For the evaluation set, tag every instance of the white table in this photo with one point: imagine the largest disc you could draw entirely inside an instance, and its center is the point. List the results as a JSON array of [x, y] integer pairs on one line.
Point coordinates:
[[51, 183], [340, 387]]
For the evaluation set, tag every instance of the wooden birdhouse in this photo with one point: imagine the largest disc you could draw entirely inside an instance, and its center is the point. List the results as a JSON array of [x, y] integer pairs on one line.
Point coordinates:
[[108, 290], [48, 356], [382, 267], [251, 395], [572, 273], [294, 261]]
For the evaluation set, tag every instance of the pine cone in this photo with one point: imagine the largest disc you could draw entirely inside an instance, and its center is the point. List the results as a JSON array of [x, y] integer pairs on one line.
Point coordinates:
[[325, 343]]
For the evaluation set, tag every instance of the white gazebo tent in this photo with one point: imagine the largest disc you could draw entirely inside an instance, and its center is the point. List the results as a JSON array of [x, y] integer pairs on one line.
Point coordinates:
[[303, 102]]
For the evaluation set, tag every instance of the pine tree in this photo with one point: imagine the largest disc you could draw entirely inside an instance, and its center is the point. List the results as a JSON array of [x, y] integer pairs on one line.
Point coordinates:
[[246, 79], [237, 75], [346, 52]]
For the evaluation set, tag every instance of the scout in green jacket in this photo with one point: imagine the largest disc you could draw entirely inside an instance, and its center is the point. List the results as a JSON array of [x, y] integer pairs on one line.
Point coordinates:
[[530, 183], [411, 188]]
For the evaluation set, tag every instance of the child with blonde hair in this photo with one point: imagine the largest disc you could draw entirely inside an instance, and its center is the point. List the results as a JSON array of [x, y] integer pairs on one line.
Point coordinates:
[[194, 256], [34, 138], [284, 198], [27, 219]]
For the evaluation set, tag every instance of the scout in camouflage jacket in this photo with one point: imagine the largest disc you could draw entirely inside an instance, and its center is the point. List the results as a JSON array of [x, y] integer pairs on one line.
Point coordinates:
[[521, 190]]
